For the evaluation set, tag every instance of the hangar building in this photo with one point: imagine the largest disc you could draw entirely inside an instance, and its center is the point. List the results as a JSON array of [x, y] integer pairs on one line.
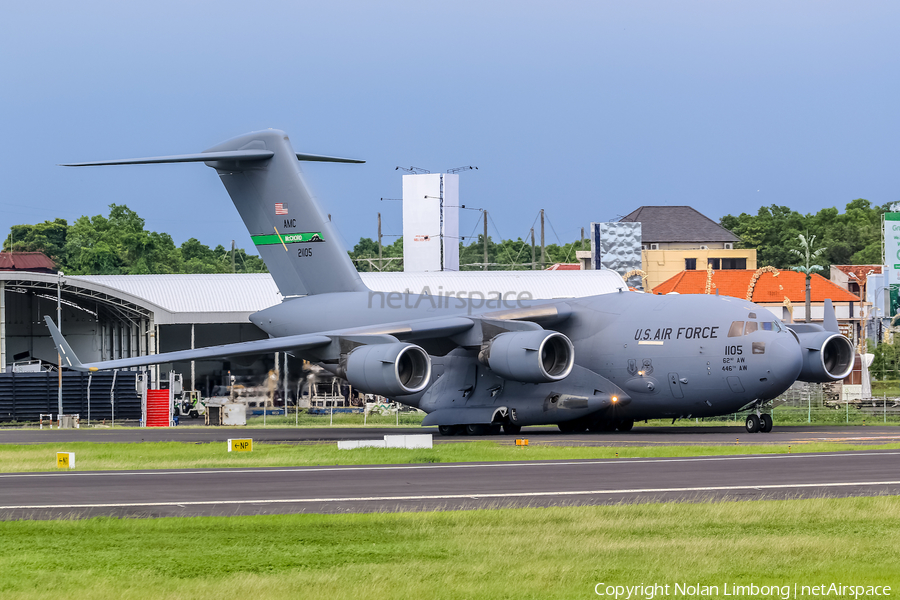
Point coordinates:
[[106, 317]]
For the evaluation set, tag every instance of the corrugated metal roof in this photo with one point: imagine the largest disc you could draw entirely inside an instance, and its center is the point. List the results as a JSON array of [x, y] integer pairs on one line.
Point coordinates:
[[26, 261], [231, 298], [213, 293], [540, 284]]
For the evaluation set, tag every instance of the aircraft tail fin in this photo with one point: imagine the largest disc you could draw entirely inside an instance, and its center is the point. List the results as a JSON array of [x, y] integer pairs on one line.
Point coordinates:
[[62, 346], [292, 234]]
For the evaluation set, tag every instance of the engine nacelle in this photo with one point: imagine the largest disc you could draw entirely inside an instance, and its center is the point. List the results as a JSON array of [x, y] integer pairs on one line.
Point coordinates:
[[827, 356], [390, 370], [529, 356]]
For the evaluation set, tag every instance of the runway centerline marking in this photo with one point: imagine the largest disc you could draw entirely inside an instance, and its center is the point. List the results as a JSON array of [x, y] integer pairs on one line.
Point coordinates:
[[432, 466], [725, 488]]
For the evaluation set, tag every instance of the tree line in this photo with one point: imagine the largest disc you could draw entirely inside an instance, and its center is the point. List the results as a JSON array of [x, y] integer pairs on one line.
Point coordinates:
[[506, 255], [120, 245], [849, 238]]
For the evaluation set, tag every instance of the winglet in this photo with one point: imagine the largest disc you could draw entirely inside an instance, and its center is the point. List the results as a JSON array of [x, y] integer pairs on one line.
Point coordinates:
[[62, 346], [830, 321]]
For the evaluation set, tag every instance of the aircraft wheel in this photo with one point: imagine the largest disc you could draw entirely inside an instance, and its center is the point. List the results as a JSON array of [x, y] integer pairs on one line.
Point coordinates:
[[510, 429], [494, 429], [625, 425], [752, 424], [765, 423], [477, 429], [448, 430], [603, 426], [572, 427]]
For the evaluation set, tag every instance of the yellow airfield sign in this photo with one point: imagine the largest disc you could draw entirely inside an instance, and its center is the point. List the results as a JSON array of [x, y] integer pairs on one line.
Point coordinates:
[[240, 445]]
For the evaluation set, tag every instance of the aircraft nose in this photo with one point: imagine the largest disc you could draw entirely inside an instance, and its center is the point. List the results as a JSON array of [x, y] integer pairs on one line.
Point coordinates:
[[784, 363]]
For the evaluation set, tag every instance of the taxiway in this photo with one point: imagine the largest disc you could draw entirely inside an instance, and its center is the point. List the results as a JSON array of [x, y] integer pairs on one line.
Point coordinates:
[[338, 489]]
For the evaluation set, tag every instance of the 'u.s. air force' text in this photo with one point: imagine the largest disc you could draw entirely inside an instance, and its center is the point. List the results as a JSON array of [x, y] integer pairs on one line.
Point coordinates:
[[682, 333]]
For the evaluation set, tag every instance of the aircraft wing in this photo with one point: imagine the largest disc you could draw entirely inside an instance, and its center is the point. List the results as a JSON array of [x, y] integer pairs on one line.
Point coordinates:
[[324, 343], [288, 343], [457, 330]]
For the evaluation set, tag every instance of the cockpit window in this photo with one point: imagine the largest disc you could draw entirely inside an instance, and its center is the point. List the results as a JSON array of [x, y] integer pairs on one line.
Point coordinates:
[[737, 329], [751, 327], [751, 316], [767, 326]]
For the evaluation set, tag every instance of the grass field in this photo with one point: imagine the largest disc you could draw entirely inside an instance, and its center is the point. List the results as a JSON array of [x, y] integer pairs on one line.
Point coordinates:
[[514, 553], [90, 456]]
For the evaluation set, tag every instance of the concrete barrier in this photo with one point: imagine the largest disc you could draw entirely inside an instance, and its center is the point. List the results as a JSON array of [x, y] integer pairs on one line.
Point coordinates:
[[391, 441]]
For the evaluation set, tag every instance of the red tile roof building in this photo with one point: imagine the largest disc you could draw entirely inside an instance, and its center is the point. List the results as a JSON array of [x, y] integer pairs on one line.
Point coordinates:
[[770, 290], [853, 277]]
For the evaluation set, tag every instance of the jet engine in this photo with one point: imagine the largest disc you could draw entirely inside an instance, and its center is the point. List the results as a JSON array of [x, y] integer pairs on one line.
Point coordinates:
[[395, 369], [827, 356], [529, 356]]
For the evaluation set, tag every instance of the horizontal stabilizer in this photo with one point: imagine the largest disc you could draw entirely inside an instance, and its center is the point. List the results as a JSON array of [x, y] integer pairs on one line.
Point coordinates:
[[250, 154], [226, 155], [323, 158]]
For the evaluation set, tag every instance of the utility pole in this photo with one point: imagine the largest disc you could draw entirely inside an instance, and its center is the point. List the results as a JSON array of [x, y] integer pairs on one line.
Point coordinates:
[[485, 241], [543, 255], [582, 238], [442, 241], [233, 270], [59, 276], [532, 250], [380, 264]]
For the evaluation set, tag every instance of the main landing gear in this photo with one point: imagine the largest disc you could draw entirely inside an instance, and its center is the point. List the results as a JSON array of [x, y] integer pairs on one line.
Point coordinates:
[[580, 425], [479, 429], [759, 423]]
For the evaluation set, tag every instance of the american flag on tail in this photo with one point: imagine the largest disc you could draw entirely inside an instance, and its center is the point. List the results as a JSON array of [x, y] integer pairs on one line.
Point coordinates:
[[281, 208]]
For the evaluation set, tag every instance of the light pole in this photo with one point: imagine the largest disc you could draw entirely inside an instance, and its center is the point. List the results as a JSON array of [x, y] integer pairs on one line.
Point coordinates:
[[863, 311], [864, 317], [59, 407]]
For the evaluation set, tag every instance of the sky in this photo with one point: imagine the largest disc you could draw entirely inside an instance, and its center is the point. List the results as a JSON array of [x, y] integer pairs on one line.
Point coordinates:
[[585, 109]]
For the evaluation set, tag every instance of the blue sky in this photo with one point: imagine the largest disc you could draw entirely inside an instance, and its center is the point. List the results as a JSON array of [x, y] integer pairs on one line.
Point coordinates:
[[586, 109]]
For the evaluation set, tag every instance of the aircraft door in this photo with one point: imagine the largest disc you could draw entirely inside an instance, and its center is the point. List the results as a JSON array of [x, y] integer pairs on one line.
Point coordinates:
[[675, 386], [735, 384]]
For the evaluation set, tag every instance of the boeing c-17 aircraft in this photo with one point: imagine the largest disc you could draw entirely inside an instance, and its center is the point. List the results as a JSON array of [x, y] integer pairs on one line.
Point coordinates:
[[597, 363]]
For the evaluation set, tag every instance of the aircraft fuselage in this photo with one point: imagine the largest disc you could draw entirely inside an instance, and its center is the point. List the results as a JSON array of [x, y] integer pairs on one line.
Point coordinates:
[[665, 356]]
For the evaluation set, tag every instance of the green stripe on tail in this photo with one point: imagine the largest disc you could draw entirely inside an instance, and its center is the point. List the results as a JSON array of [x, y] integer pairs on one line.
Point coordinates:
[[288, 238]]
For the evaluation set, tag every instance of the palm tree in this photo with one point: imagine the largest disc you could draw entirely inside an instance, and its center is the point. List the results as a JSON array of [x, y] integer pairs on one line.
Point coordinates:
[[807, 256]]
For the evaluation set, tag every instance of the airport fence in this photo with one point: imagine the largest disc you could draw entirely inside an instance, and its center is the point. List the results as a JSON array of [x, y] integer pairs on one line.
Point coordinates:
[[821, 404], [24, 397]]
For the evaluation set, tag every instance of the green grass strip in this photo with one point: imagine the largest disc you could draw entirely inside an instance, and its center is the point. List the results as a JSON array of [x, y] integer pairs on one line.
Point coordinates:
[[545, 553], [91, 456]]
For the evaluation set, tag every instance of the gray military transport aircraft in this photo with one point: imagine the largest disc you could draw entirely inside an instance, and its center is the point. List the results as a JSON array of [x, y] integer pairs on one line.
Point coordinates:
[[476, 366]]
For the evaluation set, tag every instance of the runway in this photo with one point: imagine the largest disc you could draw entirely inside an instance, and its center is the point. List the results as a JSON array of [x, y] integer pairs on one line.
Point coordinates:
[[639, 436], [445, 486]]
